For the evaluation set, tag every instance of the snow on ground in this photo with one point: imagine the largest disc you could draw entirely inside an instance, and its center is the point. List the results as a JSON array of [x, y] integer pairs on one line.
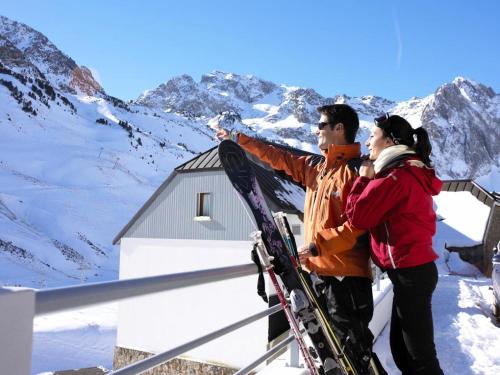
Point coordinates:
[[74, 339], [466, 335]]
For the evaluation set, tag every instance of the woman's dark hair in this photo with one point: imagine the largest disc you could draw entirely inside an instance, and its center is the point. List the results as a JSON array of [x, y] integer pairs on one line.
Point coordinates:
[[401, 133], [342, 113]]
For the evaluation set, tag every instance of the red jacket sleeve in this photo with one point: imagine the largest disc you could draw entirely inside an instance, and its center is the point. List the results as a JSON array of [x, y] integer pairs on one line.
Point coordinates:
[[370, 201]]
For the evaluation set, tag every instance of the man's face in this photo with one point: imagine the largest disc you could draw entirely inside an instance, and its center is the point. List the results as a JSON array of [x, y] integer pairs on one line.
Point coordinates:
[[328, 135]]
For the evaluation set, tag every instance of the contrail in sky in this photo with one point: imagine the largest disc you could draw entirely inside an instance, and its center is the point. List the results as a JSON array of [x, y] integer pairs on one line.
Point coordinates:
[[399, 56]]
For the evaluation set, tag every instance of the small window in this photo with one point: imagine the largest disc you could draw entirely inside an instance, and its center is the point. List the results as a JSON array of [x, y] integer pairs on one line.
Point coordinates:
[[203, 205], [296, 229]]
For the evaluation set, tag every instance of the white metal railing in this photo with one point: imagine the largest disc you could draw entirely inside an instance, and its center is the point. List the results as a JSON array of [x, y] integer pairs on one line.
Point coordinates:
[[158, 359], [266, 355], [19, 306], [57, 299]]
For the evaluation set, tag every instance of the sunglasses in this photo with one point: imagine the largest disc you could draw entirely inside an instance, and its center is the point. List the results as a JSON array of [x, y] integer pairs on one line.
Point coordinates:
[[381, 119], [321, 125]]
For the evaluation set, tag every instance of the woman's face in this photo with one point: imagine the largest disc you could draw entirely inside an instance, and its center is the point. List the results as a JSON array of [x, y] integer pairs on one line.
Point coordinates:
[[377, 142]]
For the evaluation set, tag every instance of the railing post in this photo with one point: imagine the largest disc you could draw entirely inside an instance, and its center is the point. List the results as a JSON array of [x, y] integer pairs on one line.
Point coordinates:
[[17, 306], [378, 274], [294, 354]]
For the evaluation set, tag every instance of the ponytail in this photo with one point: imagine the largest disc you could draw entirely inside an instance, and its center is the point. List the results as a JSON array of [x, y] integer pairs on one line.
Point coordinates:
[[423, 146], [401, 133]]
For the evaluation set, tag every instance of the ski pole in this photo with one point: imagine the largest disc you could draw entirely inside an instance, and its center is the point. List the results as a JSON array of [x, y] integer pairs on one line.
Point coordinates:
[[266, 260]]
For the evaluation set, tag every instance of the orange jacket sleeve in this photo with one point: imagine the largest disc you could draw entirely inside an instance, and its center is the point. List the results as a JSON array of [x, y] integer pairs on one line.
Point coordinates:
[[344, 237], [300, 168], [333, 241]]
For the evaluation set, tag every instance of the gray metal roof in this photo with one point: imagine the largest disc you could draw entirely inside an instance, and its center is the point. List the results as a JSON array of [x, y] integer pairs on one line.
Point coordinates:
[[206, 160]]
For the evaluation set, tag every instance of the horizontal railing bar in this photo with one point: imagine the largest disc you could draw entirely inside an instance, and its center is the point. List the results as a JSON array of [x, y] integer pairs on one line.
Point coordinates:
[[266, 355], [158, 359], [57, 299], [381, 295]]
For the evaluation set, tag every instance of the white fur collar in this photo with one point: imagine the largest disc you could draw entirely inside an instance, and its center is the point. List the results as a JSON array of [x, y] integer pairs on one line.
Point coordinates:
[[390, 153]]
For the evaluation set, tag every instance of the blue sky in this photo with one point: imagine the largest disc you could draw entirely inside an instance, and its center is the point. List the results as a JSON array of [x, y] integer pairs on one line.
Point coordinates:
[[394, 49]]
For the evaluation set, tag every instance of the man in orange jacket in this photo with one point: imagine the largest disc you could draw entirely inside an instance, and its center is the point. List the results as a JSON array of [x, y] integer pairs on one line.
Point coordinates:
[[336, 251]]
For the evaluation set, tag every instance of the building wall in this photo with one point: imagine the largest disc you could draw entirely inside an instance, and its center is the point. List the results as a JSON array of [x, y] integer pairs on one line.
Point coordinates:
[[295, 220], [162, 321], [124, 357], [172, 214]]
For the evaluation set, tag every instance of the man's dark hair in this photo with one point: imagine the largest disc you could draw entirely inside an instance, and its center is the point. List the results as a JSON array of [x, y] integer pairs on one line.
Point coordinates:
[[342, 113]]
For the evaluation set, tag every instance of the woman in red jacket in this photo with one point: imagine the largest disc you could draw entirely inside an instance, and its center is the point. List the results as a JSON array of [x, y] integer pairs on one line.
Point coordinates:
[[392, 198]]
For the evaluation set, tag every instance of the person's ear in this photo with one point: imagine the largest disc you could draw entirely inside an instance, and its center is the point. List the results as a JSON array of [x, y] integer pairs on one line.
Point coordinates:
[[340, 127]]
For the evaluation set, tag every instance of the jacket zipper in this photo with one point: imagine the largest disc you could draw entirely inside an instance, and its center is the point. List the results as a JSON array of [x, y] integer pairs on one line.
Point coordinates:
[[389, 251], [318, 194]]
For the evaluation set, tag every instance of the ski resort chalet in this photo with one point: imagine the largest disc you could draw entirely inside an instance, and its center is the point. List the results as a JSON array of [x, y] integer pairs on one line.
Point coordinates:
[[195, 221]]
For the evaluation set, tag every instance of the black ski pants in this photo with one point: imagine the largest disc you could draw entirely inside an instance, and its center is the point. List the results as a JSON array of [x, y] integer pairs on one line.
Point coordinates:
[[412, 331], [349, 303]]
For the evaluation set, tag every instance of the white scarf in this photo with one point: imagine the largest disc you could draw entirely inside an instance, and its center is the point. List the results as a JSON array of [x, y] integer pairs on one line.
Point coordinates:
[[390, 153]]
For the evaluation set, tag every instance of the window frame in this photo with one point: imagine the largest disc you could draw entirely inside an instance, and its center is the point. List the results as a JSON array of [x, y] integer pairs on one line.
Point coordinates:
[[203, 206]]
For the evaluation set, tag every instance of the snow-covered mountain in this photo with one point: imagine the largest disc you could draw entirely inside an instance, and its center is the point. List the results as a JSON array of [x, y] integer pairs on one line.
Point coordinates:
[[30, 52], [462, 117], [77, 163]]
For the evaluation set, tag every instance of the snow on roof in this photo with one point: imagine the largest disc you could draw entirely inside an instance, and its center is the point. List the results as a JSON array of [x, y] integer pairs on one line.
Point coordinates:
[[464, 218], [292, 194]]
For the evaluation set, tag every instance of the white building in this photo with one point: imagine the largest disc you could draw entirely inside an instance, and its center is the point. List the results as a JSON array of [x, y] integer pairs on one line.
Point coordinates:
[[196, 220]]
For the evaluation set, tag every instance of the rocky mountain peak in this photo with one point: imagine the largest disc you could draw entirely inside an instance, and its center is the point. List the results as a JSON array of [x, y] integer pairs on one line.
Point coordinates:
[[378, 101], [470, 86], [246, 88], [168, 95], [463, 89], [215, 93], [11, 56], [463, 121], [83, 80], [38, 50]]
